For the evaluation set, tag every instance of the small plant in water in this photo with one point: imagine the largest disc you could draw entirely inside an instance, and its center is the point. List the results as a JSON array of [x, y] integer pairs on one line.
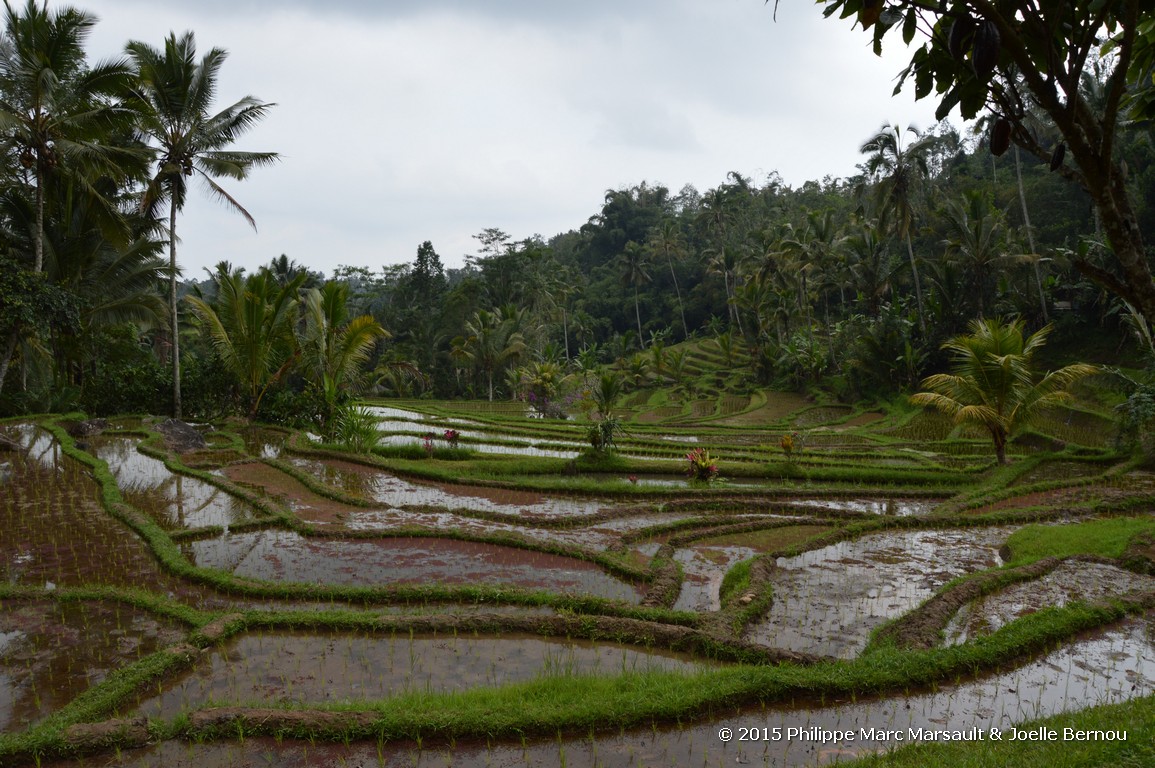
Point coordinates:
[[702, 467], [427, 442]]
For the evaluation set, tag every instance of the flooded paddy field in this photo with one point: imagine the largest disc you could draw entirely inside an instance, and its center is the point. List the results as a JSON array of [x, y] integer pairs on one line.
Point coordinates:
[[353, 526], [269, 669], [56, 532], [50, 652], [274, 555], [173, 500], [1103, 667], [1071, 581], [827, 601], [393, 491]]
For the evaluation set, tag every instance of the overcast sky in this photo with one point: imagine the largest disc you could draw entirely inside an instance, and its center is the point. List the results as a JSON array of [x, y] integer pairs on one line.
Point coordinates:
[[412, 120]]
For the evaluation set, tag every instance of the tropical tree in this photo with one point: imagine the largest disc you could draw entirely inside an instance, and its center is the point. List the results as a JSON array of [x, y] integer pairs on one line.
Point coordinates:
[[976, 240], [899, 171], [870, 261], [994, 383], [176, 92], [58, 113], [250, 323], [491, 342], [633, 261], [666, 239], [717, 214], [58, 117], [1011, 58], [333, 347]]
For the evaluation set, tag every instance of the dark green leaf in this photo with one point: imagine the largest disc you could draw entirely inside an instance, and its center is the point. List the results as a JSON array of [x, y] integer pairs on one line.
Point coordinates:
[[909, 26]]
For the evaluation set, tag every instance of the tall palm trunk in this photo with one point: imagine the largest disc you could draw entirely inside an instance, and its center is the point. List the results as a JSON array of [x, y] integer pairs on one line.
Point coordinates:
[[917, 285], [1030, 236], [38, 246], [678, 291], [175, 325], [565, 331], [9, 351], [38, 267], [638, 316]]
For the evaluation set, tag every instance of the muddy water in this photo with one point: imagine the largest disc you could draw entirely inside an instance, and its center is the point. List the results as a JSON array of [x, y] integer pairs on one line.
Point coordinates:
[[827, 601], [55, 530], [703, 568], [286, 556], [50, 652], [263, 442], [894, 507], [394, 491], [173, 500], [312, 668], [1106, 667], [1072, 581], [56, 533]]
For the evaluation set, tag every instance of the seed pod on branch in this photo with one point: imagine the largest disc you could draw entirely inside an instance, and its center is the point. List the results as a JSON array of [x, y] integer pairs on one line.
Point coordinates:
[[869, 13], [985, 54], [961, 32], [1000, 136]]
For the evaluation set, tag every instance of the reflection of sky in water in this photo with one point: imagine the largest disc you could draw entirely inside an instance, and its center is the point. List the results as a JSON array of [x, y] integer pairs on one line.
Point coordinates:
[[318, 668], [176, 500], [286, 556], [1111, 666], [898, 507], [704, 567], [1072, 581], [393, 491], [828, 600]]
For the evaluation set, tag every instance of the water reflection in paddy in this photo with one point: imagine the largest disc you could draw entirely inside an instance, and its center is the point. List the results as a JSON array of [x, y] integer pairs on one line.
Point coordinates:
[[287, 556], [263, 442], [1072, 581], [265, 669], [393, 491], [174, 500], [827, 601], [50, 652], [1106, 667]]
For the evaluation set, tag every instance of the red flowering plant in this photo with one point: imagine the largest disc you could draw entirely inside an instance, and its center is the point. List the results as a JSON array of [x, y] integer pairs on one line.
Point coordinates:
[[702, 467], [453, 437]]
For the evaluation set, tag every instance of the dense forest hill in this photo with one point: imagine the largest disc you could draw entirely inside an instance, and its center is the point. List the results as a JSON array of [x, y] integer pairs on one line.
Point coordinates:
[[817, 282], [848, 286]]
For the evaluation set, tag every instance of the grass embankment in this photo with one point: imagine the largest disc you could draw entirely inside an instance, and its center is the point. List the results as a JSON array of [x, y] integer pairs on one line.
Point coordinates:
[[1067, 750], [1108, 538]]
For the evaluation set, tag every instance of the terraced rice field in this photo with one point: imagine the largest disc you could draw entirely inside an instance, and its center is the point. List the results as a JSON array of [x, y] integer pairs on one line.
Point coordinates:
[[295, 604]]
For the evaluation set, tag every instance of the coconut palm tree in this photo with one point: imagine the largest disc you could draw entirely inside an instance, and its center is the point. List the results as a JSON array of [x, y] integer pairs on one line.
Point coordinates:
[[176, 93], [633, 262], [666, 239], [57, 113], [899, 170], [994, 384], [491, 342], [57, 117], [976, 239]]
